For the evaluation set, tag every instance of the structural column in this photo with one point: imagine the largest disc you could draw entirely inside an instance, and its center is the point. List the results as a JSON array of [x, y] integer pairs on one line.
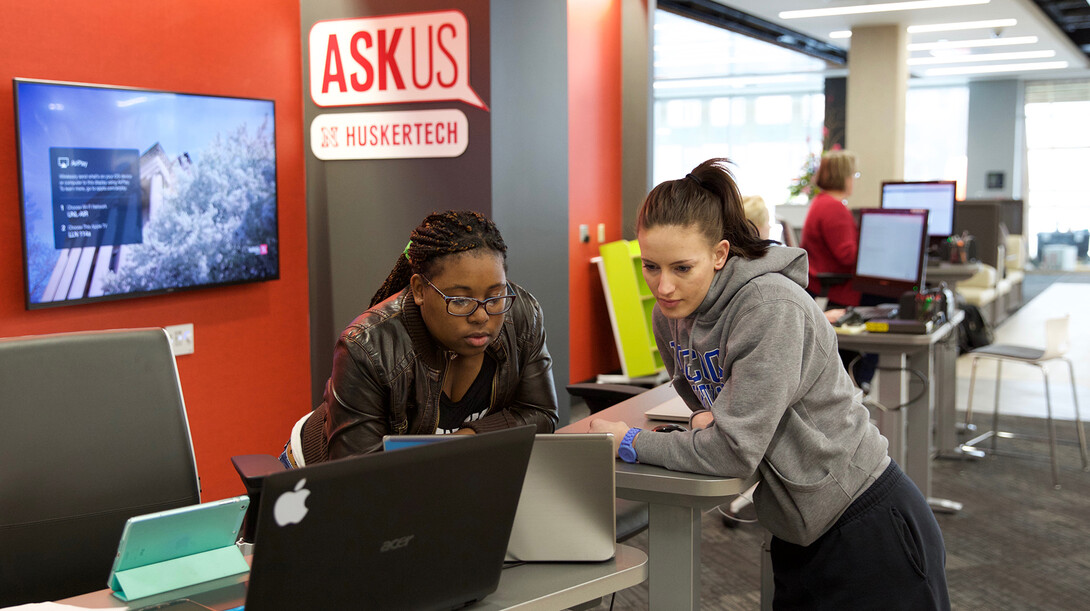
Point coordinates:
[[877, 83]]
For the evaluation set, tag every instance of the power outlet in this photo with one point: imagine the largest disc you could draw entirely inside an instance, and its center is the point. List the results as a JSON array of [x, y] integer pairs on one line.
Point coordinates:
[[181, 338]]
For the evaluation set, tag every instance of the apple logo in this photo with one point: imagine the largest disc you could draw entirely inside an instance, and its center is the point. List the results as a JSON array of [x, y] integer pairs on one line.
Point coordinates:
[[291, 507]]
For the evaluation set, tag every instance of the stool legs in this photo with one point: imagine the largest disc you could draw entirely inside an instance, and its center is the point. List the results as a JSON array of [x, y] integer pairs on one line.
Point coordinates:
[[995, 409], [994, 433], [1051, 432], [972, 385], [1078, 418]]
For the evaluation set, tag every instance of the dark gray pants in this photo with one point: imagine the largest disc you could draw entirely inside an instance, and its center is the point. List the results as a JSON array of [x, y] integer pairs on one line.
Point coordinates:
[[886, 552]]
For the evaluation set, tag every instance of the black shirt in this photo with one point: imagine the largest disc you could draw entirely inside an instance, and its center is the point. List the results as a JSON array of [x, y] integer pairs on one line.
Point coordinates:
[[473, 404]]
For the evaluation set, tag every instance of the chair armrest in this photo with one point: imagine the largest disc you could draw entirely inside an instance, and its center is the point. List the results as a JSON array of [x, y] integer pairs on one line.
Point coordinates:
[[834, 277], [253, 468], [601, 396]]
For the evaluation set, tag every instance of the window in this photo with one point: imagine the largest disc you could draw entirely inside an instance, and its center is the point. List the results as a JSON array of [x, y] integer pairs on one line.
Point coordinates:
[[936, 135], [722, 94], [1058, 142]]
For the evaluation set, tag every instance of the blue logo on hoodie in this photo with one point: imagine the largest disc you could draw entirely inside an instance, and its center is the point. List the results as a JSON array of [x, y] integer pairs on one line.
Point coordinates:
[[702, 371]]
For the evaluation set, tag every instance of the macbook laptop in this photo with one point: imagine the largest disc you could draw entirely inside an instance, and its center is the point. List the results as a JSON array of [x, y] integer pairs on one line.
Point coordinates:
[[674, 410], [567, 510], [423, 528]]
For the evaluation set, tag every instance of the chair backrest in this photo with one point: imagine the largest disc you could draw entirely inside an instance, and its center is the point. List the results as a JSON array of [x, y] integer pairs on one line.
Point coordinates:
[[1056, 337], [94, 431], [790, 234]]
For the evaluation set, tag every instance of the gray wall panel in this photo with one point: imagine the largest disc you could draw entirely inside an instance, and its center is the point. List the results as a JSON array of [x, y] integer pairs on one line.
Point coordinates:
[[530, 159]]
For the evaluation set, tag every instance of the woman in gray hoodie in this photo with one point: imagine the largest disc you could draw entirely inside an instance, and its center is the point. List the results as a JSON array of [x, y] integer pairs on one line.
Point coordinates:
[[756, 360]]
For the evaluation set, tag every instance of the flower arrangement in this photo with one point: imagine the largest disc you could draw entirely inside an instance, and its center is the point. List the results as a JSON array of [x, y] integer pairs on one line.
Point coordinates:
[[804, 184]]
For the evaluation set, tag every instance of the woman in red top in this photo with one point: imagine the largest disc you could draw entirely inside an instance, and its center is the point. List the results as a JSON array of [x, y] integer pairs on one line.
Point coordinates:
[[830, 236]]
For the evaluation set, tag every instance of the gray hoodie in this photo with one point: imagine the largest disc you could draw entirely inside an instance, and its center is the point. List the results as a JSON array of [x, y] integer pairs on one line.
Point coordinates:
[[759, 354]]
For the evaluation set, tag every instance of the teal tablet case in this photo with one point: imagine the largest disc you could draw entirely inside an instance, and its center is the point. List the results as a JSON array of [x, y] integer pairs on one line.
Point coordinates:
[[174, 549]]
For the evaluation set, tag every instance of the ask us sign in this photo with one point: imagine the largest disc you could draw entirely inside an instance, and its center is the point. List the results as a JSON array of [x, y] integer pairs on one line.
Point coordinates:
[[393, 59]]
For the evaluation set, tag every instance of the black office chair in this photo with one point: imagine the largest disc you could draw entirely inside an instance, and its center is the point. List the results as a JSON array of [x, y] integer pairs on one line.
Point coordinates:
[[600, 396], [94, 432], [828, 280]]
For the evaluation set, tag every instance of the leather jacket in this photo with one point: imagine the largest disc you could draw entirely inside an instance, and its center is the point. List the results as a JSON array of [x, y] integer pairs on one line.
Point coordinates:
[[388, 376]]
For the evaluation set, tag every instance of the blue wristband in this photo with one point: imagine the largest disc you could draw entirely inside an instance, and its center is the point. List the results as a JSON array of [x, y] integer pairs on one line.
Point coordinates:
[[626, 451]]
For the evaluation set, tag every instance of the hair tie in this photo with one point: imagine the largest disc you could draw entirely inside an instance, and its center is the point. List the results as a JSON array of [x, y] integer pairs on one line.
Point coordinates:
[[406, 251], [696, 180]]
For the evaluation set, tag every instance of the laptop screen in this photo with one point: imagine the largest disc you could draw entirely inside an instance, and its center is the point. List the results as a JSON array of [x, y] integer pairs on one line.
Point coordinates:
[[423, 527]]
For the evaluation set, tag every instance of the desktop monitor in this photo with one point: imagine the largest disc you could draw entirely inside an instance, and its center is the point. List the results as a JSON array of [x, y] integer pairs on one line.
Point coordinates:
[[936, 196], [892, 251]]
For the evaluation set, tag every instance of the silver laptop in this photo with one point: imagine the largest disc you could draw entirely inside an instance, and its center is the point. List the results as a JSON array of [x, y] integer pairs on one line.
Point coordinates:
[[567, 510], [674, 410]]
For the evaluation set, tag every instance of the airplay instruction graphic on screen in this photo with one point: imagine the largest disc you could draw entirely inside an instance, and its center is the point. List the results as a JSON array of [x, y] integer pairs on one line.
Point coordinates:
[[130, 192], [96, 197]]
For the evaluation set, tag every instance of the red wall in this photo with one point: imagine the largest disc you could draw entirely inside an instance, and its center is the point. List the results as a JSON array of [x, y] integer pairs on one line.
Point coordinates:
[[594, 175], [248, 379]]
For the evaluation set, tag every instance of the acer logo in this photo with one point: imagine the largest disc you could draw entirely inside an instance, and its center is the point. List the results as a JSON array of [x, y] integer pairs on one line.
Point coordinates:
[[393, 544]]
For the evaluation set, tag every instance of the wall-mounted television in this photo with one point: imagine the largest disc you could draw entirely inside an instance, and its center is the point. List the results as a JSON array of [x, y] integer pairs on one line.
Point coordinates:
[[128, 192], [935, 196]]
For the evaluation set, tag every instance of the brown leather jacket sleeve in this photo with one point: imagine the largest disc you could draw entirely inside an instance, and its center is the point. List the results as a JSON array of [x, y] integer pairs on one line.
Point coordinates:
[[358, 404]]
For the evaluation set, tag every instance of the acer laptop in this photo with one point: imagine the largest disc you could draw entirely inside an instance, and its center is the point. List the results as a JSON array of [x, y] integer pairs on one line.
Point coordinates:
[[423, 528], [567, 511]]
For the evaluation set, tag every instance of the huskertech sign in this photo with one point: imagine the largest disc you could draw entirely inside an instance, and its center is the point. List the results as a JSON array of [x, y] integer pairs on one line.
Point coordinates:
[[393, 59]]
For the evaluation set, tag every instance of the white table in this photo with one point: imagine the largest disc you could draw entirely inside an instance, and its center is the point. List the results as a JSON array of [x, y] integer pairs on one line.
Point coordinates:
[[909, 429], [526, 587]]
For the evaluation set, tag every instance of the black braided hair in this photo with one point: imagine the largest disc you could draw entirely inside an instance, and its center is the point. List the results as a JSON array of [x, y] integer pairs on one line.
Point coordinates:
[[439, 235]]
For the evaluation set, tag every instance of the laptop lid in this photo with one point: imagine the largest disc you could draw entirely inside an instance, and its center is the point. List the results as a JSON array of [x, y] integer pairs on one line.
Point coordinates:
[[567, 509], [674, 410], [422, 528]]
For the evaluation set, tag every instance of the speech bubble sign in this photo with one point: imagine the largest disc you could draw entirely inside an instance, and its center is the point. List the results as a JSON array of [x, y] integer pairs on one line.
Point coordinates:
[[389, 135], [418, 57]]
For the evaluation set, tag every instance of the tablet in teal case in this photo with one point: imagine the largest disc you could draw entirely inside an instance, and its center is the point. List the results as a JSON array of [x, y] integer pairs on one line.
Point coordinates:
[[173, 549]]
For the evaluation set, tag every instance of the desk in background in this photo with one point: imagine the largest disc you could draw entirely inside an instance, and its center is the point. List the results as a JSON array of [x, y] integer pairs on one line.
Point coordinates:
[[950, 273], [675, 500], [544, 586], [909, 429]]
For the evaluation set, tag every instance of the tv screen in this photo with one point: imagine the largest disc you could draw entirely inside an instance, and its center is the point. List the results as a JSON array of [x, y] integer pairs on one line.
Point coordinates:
[[892, 249], [937, 197], [128, 192]]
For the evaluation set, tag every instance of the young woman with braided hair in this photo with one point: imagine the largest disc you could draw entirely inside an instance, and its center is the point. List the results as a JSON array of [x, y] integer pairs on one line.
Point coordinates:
[[448, 345], [751, 354]]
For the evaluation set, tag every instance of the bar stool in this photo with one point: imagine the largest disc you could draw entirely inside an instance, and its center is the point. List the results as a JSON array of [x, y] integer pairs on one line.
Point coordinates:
[[1057, 343]]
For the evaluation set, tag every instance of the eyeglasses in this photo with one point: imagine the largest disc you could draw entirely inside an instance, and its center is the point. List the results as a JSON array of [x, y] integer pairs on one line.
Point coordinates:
[[466, 306]]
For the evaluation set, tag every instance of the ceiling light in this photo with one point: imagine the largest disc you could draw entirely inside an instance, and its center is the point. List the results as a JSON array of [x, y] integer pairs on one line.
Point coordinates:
[[981, 57], [969, 44], [885, 7], [964, 25], [964, 70], [848, 33]]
